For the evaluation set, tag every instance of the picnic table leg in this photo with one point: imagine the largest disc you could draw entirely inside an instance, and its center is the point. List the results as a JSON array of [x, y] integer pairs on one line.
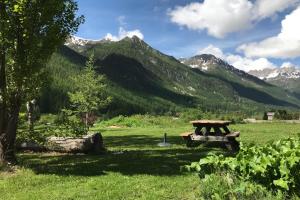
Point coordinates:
[[198, 130], [207, 131], [227, 131], [218, 131], [233, 145], [191, 143]]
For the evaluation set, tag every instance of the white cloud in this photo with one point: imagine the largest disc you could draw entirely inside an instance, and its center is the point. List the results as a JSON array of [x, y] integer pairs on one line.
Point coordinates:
[[123, 33], [218, 17], [285, 45], [247, 64], [242, 63], [267, 8], [211, 49], [121, 20], [111, 37], [288, 65], [221, 17]]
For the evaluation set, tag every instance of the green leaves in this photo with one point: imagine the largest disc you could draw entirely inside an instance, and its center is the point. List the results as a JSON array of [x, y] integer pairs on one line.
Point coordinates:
[[275, 165], [16, 8], [281, 183], [87, 98]]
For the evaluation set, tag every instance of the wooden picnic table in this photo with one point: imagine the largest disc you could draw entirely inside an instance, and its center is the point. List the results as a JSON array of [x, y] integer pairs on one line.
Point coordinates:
[[211, 131]]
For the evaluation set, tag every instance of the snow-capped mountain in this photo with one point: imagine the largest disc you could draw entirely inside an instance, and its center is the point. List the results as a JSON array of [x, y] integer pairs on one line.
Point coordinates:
[[287, 77], [202, 62], [79, 43], [288, 72], [212, 65], [74, 40]]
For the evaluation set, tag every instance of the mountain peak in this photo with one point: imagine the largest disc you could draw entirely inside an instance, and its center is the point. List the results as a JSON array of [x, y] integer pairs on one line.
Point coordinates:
[[203, 61], [133, 39]]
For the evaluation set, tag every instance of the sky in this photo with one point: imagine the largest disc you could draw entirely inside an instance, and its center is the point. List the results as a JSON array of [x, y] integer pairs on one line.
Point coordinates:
[[249, 34]]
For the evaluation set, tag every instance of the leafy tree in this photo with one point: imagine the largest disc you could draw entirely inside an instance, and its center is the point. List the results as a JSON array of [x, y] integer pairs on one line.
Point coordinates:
[[282, 115], [88, 98], [30, 31]]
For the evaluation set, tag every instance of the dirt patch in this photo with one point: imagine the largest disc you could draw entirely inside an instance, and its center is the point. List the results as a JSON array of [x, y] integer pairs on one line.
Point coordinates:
[[8, 170], [114, 126]]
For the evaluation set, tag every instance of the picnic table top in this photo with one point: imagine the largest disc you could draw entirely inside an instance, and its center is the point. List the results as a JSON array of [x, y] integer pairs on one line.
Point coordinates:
[[210, 122]]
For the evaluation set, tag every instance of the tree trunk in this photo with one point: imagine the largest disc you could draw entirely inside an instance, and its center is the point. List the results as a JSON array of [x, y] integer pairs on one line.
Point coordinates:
[[11, 131], [86, 119], [3, 108], [2, 157], [3, 91]]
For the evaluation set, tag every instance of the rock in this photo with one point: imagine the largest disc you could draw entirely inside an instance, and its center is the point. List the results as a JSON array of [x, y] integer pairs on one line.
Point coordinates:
[[87, 144]]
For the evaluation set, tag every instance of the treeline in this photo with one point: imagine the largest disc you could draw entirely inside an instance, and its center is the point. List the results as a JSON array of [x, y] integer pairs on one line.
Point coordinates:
[[283, 115]]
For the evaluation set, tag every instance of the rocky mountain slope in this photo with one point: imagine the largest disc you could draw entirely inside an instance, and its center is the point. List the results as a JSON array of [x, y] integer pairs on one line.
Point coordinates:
[[286, 77]]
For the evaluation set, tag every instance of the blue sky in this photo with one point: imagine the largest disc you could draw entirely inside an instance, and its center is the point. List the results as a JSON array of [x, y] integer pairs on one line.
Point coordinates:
[[183, 28]]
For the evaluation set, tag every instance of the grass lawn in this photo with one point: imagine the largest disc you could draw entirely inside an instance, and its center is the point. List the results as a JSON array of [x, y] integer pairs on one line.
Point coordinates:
[[134, 168]]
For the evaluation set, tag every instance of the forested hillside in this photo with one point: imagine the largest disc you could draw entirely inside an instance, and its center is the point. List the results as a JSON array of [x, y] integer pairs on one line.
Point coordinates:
[[143, 80]]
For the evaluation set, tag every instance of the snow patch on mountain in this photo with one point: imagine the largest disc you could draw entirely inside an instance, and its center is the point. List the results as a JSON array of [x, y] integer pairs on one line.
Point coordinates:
[[284, 72], [273, 74], [74, 40]]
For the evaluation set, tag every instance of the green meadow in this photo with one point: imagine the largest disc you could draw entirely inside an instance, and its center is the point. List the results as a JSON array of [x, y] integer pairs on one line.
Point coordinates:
[[134, 167]]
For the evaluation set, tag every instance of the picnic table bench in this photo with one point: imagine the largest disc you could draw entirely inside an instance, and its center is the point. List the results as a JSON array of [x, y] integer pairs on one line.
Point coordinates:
[[211, 131]]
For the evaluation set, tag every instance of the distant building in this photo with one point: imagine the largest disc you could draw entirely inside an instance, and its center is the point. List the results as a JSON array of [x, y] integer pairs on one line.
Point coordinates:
[[270, 115]]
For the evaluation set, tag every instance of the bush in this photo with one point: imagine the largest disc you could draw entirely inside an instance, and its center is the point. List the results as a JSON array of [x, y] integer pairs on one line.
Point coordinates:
[[227, 186], [193, 115], [139, 121], [275, 165], [67, 120]]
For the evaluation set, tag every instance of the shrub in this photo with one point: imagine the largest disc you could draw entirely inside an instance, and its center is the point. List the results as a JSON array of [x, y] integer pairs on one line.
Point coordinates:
[[192, 115], [139, 121], [275, 165], [67, 120], [227, 186]]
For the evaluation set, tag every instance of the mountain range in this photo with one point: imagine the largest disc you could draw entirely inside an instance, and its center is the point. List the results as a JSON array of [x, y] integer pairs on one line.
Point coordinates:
[[287, 77], [142, 79]]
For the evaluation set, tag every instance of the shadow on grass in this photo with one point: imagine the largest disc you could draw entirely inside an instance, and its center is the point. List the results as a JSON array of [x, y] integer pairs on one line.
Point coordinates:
[[140, 141], [156, 161]]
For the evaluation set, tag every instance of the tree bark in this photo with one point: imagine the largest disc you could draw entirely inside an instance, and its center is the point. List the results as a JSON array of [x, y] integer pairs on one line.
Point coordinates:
[[11, 131], [14, 102], [3, 106], [86, 119]]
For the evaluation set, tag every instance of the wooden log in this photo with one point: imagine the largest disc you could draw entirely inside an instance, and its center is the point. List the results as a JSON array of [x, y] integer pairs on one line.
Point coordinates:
[[87, 144], [30, 146]]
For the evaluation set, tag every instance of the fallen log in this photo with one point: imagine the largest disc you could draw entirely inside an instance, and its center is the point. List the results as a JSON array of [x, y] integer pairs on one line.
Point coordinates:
[[30, 146], [87, 144]]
